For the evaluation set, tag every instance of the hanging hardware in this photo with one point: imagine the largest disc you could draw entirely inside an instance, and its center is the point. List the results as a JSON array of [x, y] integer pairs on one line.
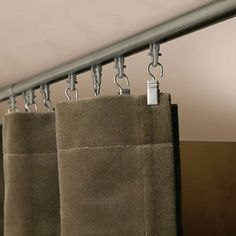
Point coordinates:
[[96, 72], [12, 102], [119, 65], [153, 91], [189, 22], [71, 80], [45, 92], [29, 97]]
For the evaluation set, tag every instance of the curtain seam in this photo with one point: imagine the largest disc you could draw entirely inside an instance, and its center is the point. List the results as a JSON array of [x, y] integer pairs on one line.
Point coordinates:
[[28, 154], [169, 144]]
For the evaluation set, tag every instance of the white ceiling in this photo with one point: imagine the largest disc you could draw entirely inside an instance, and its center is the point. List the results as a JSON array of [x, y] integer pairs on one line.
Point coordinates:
[[38, 35], [199, 68]]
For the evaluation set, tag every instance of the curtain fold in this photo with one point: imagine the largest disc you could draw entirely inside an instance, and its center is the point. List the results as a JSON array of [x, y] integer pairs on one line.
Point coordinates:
[[108, 166], [31, 175], [117, 166]]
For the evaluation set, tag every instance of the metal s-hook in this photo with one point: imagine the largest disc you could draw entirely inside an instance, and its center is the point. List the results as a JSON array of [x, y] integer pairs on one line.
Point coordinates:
[[151, 74], [12, 102], [45, 92], [122, 91], [71, 80], [96, 73], [153, 92], [29, 97], [119, 64]]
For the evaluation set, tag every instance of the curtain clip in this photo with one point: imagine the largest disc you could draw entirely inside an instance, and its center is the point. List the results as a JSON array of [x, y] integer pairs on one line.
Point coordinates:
[[153, 91]]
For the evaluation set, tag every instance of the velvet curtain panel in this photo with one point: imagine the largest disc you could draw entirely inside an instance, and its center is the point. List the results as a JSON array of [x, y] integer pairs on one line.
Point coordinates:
[[100, 166], [31, 206]]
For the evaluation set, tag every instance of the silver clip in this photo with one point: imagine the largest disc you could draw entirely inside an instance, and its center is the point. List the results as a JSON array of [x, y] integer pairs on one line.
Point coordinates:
[[153, 91], [71, 80], [96, 72], [119, 64], [29, 100], [45, 92]]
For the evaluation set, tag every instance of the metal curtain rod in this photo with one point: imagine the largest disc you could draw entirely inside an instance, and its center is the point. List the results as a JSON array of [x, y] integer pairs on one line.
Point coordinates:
[[207, 15]]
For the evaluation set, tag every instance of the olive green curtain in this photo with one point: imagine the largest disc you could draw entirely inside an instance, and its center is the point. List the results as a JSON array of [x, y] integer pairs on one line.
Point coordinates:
[[117, 166], [31, 176], [105, 166]]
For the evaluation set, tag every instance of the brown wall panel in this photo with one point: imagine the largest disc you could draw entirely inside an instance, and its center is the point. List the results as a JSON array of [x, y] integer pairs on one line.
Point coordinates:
[[208, 188]]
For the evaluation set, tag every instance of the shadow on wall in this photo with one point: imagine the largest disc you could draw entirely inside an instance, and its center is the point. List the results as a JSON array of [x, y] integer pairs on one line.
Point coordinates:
[[208, 188]]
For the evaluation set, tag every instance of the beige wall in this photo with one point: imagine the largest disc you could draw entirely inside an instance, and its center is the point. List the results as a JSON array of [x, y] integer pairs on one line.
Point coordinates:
[[209, 188]]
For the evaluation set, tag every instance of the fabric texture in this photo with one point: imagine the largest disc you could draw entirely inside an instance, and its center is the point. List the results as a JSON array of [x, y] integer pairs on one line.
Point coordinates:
[[31, 175], [117, 166]]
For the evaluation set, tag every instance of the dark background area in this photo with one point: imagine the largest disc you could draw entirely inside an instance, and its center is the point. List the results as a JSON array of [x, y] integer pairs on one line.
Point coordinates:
[[208, 172]]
